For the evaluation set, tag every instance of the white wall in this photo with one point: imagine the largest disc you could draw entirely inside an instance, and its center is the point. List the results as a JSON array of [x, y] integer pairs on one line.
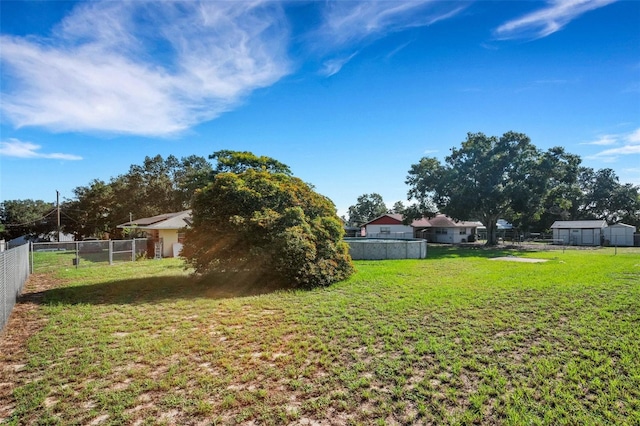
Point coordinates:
[[578, 237], [395, 231], [619, 236], [169, 237]]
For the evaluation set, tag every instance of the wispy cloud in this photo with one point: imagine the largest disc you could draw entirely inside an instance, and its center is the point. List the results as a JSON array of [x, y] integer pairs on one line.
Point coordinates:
[[17, 148], [628, 144], [397, 49], [97, 72], [547, 20], [348, 25], [333, 66], [603, 140], [348, 22]]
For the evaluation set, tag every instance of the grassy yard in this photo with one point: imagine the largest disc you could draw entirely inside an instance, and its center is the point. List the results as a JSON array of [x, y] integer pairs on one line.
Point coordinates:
[[453, 339]]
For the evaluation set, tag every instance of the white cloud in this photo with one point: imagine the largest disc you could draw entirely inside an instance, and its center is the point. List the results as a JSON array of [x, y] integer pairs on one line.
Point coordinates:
[[20, 149], [633, 137], [630, 144], [348, 22], [333, 66], [604, 140], [100, 73], [352, 23], [623, 150], [548, 20]]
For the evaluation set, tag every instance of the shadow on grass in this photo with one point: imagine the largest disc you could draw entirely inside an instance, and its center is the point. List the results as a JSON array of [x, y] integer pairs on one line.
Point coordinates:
[[160, 289], [444, 251]]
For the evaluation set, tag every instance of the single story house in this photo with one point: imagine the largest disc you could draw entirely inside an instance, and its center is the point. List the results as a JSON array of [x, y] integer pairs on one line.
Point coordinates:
[[165, 231], [620, 235], [439, 229], [579, 232]]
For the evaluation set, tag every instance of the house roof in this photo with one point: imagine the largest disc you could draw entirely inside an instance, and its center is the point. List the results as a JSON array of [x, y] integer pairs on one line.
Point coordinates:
[[386, 219], [575, 224], [442, 221], [176, 220], [439, 221], [622, 225]]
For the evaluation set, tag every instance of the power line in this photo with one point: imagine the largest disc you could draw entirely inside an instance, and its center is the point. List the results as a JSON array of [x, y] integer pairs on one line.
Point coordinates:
[[32, 221]]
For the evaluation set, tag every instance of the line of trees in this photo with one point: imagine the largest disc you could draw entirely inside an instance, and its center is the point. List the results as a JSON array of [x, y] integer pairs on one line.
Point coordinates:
[[159, 185], [491, 177], [484, 179]]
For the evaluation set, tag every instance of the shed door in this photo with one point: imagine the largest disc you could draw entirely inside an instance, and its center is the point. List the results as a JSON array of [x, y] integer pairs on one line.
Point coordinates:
[[588, 237], [576, 237]]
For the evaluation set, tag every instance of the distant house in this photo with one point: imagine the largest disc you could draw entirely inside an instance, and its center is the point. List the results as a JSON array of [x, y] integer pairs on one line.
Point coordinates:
[[439, 229], [388, 226], [620, 235], [165, 231], [443, 229], [579, 232]]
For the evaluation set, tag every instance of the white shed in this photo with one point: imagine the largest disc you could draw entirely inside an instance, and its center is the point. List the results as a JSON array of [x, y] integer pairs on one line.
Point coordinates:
[[579, 232], [619, 234]]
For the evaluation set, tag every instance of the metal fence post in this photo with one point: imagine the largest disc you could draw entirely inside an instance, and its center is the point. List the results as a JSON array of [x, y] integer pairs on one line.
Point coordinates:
[[110, 252], [133, 249]]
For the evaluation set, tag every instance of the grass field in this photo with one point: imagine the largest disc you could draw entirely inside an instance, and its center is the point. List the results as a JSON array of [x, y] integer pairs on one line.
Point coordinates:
[[453, 339]]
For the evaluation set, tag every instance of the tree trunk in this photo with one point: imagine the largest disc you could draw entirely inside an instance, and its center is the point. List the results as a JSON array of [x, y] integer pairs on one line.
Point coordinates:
[[491, 222]]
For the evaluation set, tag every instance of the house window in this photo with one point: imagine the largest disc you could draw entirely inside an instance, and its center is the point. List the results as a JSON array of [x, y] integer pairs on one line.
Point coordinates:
[[441, 231], [463, 231], [181, 237], [385, 229]]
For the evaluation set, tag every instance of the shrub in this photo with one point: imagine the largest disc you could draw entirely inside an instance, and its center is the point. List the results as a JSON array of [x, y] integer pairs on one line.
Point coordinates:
[[272, 223]]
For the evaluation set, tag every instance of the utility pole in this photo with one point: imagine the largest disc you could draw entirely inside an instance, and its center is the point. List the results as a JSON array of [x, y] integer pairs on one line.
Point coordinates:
[[58, 208]]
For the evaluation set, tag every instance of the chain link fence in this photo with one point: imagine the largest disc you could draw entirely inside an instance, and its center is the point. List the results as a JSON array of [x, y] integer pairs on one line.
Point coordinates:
[[15, 271], [84, 254]]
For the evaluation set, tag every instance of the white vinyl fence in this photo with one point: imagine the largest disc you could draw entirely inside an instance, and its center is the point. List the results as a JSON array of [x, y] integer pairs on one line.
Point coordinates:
[[15, 271]]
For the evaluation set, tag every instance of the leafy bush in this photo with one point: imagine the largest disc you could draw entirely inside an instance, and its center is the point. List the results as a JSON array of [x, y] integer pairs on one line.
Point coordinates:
[[272, 223]]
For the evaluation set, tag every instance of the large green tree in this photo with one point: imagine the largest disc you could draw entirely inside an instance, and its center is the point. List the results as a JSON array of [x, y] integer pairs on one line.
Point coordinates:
[[367, 207], [560, 171], [267, 222], [487, 178], [240, 161], [30, 218], [604, 197], [90, 212], [156, 186]]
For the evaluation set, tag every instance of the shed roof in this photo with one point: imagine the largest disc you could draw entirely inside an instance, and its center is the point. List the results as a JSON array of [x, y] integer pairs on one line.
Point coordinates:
[[622, 225], [579, 224]]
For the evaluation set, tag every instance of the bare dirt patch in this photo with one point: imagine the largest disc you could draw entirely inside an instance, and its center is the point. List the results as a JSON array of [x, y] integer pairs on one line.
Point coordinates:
[[23, 323], [520, 259]]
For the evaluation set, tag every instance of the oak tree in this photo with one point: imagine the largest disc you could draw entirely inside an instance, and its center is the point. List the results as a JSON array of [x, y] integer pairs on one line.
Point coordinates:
[[487, 178]]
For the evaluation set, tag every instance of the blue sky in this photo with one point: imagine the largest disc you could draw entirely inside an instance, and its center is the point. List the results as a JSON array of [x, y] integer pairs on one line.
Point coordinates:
[[348, 94]]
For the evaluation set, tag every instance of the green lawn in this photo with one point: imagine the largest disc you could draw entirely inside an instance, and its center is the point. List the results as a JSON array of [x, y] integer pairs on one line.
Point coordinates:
[[452, 339]]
